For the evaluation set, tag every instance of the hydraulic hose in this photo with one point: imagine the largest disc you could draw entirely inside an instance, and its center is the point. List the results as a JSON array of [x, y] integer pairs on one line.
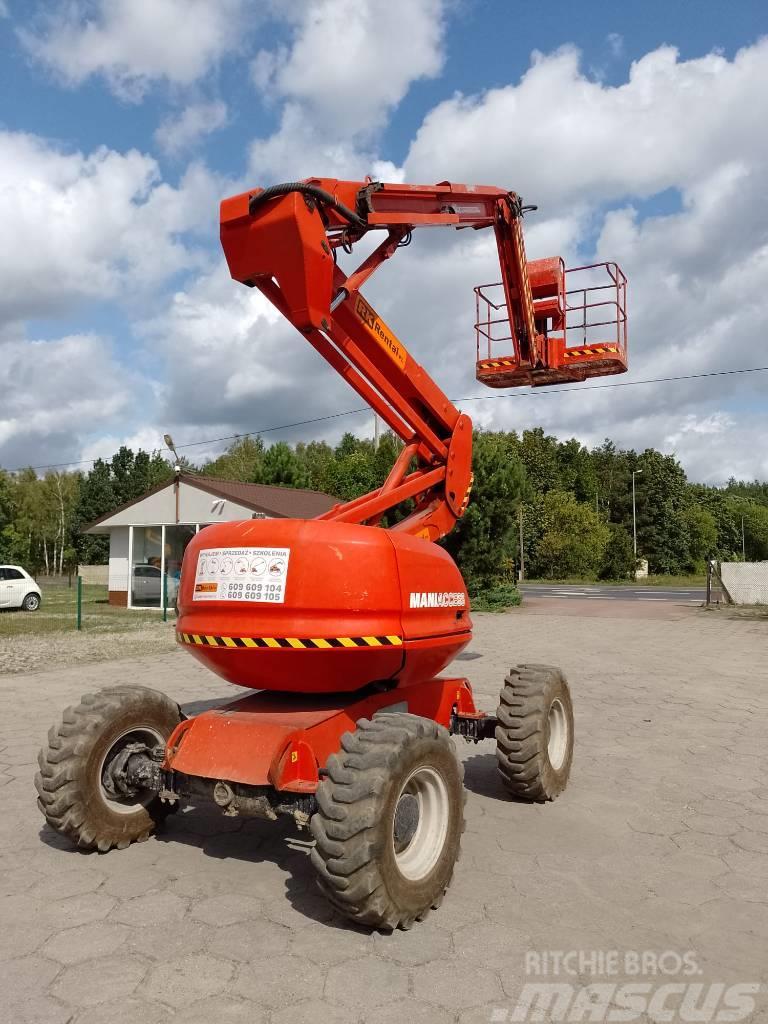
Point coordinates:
[[316, 193]]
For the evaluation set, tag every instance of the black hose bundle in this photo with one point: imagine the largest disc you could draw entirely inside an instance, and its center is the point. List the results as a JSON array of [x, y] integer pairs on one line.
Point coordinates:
[[316, 193]]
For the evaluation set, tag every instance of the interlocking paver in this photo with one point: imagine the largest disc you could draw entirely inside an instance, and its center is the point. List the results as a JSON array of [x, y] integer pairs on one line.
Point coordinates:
[[225, 1010], [99, 980], [417, 945], [226, 909], [366, 982], [87, 941], [660, 842], [408, 1010], [147, 910], [249, 941], [455, 984], [280, 981], [188, 979], [167, 940]]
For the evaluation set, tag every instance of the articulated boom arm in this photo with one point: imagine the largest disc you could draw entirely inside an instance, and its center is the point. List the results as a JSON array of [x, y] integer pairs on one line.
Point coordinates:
[[283, 241]]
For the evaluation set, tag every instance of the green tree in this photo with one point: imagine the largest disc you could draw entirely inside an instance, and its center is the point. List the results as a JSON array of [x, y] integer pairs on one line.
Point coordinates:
[[702, 535], [243, 461], [573, 541], [317, 459], [281, 466], [662, 533], [619, 557], [97, 497], [576, 470], [354, 471], [135, 474], [484, 542], [538, 453]]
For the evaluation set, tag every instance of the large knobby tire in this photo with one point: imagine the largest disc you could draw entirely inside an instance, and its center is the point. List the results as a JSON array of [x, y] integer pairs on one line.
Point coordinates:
[[534, 735], [391, 814], [69, 784]]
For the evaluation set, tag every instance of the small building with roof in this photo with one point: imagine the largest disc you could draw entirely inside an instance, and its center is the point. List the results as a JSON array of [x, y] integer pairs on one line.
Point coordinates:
[[148, 536]]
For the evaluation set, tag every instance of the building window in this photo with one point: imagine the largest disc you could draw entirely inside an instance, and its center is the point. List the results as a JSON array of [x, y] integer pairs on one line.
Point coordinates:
[[176, 540], [147, 567], [156, 554]]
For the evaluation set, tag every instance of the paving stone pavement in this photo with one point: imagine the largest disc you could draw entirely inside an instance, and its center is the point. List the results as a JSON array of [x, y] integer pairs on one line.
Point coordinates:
[[659, 844]]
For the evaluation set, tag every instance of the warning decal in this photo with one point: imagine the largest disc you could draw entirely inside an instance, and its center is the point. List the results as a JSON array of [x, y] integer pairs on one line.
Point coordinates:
[[242, 574]]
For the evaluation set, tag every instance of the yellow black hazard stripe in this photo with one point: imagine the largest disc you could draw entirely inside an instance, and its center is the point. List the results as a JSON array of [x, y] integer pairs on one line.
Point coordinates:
[[304, 643], [592, 350], [492, 364]]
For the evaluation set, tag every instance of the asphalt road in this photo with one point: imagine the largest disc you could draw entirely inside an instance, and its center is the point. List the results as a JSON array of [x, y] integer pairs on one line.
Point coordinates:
[[682, 595]]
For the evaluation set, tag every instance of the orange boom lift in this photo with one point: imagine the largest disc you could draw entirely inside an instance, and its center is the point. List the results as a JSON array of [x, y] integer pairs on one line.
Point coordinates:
[[341, 626]]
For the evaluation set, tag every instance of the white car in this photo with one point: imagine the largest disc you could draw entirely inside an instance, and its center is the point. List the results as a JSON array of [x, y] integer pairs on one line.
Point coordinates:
[[18, 589]]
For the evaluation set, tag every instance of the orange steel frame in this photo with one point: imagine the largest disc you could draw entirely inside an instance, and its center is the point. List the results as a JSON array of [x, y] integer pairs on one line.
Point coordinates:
[[285, 740], [283, 240], [286, 248]]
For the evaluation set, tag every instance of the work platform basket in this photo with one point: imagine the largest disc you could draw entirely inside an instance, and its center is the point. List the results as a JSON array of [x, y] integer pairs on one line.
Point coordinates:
[[581, 326]]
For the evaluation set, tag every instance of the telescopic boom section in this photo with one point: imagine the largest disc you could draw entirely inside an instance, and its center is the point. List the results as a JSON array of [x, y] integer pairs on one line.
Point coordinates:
[[283, 241]]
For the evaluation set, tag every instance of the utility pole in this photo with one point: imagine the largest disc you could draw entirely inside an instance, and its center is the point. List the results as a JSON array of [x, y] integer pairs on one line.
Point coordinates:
[[522, 553], [375, 432], [634, 509], [743, 545]]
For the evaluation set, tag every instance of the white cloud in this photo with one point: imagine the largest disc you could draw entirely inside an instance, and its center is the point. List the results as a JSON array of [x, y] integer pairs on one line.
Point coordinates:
[[92, 226], [133, 43], [351, 61], [53, 394], [593, 156], [559, 137], [229, 361], [695, 297], [349, 65], [179, 133]]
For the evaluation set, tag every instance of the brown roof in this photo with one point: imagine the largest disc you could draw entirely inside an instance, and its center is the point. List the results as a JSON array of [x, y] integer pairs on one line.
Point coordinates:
[[285, 502], [276, 502]]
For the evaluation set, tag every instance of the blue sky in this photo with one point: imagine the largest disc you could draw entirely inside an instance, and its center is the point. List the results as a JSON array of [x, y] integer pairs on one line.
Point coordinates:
[[633, 152], [488, 44]]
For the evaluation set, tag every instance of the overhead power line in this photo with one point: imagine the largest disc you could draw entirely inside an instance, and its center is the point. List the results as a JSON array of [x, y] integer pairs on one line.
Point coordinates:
[[535, 393]]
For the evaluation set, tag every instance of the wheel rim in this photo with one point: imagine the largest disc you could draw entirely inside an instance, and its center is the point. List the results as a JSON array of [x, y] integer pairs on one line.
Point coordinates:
[[128, 805], [33, 602], [557, 746], [420, 825]]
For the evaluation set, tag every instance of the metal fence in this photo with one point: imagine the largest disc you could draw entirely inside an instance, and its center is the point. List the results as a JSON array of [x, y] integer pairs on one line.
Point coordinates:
[[742, 583], [69, 603]]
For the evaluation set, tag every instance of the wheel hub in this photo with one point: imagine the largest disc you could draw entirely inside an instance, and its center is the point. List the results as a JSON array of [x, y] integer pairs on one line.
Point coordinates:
[[406, 820], [557, 745], [420, 823], [131, 770]]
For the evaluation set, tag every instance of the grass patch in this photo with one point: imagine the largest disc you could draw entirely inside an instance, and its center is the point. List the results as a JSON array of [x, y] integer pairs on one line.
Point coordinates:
[[649, 581], [58, 613], [739, 611]]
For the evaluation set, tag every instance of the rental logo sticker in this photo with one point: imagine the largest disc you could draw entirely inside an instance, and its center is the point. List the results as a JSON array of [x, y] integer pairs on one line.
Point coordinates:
[[437, 599], [242, 574], [380, 332]]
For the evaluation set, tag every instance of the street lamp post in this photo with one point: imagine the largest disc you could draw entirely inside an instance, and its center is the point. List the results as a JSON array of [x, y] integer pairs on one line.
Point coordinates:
[[634, 510]]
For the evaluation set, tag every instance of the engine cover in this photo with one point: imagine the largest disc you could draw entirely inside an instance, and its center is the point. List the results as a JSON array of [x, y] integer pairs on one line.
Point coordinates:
[[311, 607]]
